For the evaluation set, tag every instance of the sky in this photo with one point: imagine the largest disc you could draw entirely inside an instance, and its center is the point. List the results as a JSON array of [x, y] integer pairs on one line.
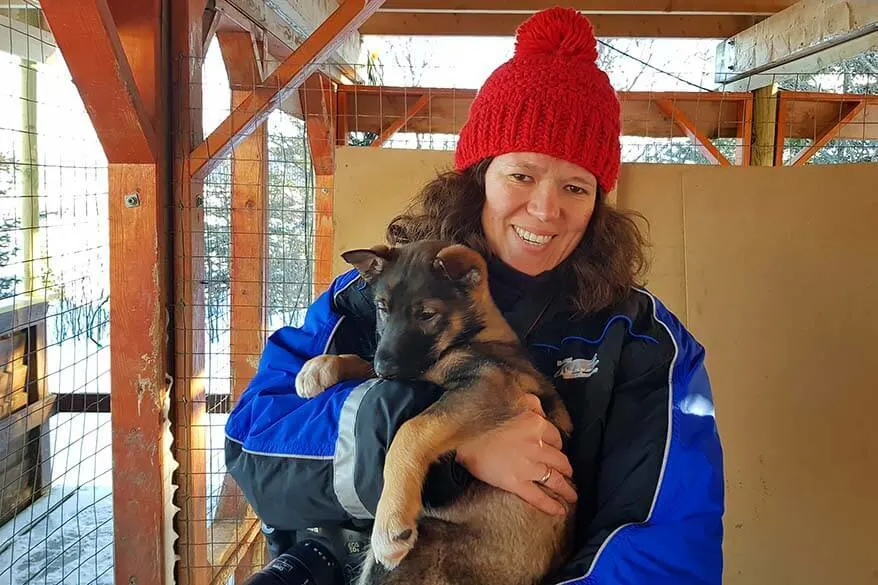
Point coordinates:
[[465, 62]]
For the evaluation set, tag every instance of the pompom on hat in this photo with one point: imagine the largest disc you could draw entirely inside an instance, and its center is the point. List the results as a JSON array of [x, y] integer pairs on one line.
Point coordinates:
[[550, 98]]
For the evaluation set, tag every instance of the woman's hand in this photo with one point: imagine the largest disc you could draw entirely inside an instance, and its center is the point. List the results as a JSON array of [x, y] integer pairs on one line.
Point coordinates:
[[520, 454]]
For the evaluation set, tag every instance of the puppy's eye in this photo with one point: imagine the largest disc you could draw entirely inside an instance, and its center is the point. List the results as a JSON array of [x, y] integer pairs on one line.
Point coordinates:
[[427, 315]]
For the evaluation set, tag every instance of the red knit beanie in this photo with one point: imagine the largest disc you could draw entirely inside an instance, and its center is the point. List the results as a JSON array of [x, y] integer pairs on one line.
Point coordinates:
[[550, 98]]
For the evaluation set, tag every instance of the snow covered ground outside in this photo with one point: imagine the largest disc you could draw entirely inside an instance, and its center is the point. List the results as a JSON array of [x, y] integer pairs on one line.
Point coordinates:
[[66, 537]]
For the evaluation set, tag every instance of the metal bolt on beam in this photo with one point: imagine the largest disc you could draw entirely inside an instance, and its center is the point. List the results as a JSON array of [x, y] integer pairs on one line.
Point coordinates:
[[132, 200]]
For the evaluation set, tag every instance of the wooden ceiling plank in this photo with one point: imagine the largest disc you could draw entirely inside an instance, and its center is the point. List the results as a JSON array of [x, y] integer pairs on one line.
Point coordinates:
[[754, 7], [605, 25]]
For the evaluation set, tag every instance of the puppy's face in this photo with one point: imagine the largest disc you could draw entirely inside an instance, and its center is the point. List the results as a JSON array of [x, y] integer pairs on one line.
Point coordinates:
[[425, 302]]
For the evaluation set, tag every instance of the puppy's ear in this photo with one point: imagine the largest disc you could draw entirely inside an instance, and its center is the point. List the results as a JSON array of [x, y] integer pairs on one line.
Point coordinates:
[[370, 263], [461, 264]]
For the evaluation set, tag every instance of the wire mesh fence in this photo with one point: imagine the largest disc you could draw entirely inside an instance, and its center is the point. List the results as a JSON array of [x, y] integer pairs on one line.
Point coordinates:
[[264, 232], [55, 463], [414, 105], [673, 110], [259, 244]]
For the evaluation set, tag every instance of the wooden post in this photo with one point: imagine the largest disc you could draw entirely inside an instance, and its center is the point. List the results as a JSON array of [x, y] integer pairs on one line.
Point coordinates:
[[249, 221], [34, 263], [318, 98], [140, 401], [249, 234], [115, 54], [190, 421], [764, 126]]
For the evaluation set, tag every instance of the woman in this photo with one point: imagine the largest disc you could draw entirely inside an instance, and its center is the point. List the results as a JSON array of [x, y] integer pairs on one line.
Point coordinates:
[[535, 161]]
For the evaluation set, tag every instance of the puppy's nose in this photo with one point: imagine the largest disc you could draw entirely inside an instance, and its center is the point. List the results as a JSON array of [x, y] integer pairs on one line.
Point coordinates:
[[385, 366]]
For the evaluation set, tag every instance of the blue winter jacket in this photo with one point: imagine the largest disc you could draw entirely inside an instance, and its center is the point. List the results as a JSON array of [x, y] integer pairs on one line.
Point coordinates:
[[645, 448]]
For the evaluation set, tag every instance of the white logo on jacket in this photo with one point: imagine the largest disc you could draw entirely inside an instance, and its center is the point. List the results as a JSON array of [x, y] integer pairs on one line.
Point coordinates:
[[570, 368]]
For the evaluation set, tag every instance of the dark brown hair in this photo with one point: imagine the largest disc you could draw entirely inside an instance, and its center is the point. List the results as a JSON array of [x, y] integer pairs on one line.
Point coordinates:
[[601, 270]]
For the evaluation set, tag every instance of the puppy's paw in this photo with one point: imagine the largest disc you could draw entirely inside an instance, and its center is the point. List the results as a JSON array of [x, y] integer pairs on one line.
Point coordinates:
[[392, 539], [318, 374]]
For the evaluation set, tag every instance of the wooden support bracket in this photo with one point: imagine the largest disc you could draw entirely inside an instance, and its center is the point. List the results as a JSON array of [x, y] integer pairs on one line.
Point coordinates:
[[210, 23], [288, 76], [243, 65], [848, 111], [87, 35], [394, 126], [317, 96], [704, 145]]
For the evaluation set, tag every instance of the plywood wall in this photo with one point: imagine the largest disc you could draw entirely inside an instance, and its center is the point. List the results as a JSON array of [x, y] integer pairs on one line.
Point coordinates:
[[776, 272]]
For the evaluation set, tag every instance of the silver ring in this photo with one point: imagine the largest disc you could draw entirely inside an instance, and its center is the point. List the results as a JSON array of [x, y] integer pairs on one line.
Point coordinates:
[[546, 477]]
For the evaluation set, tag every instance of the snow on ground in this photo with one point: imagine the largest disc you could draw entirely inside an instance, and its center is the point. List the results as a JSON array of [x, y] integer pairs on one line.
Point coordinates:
[[66, 537]]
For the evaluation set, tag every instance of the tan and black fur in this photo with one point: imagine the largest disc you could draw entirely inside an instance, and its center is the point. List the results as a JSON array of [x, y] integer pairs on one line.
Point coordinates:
[[437, 322]]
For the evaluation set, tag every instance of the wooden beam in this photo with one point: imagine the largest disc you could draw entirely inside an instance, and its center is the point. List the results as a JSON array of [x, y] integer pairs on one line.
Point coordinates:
[[116, 55], [249, 221], [285, 79], [211, 21], [291, 21], [190, 421], [764, 125], [317, 96], [807, 111], [280, 36], [142, 298], [800, 113], [397, 124], [139, 279], [754, 7], [848, 112], [605, 25], [248, 252], [366, 109], [137, 23], [238, 49], [805, 38], [242, 540], [341, 108], [704, 145], [94, 53]]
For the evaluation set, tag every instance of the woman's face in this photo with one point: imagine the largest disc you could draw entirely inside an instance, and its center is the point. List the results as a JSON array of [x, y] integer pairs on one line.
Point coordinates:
[[536, 209]]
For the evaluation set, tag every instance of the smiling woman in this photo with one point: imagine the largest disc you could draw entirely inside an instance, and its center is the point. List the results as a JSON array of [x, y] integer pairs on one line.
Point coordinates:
[[535, 161], [536, 209], [534, 213]]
